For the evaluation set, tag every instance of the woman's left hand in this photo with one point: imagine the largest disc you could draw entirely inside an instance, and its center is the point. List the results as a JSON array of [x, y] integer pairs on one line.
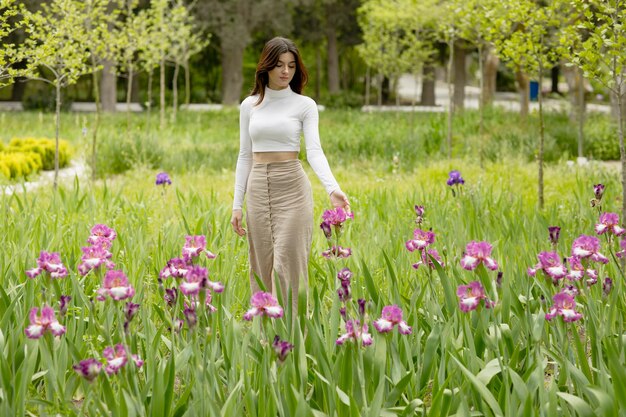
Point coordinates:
[[339, 199]]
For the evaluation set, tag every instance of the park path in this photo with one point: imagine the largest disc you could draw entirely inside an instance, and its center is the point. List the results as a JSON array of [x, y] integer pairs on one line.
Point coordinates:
[[410, 87], [76, 169]]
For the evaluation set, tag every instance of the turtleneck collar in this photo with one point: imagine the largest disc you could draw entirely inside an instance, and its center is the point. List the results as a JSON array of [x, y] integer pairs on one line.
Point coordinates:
[[276, 94]]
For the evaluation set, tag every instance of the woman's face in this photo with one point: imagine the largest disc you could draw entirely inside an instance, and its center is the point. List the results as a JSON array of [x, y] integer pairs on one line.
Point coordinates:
[[281, 75]]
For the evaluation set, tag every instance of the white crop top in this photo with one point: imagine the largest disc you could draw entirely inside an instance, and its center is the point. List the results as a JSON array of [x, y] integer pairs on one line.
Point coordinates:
[[275, 125]]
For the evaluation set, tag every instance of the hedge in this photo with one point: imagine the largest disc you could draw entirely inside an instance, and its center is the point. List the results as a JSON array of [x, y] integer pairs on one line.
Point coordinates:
[[25, 156]]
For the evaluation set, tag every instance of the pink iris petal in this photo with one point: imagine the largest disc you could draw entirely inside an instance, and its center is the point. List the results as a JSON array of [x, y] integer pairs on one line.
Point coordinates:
[[337, 216], [355, 332], [550, 263], [34, 272], [337, 252], [383, 325], [584, 246], [39, 323], [88, 368], [476, 252], [34, 331], [116, 286], [564, 306], [218, 287], [423, 238], [469, 262], [116, 358], [391, 316], [609, 222], [101, 231], [470, 296], [194, 246], [195, 280], [176, 268], [263, 303]]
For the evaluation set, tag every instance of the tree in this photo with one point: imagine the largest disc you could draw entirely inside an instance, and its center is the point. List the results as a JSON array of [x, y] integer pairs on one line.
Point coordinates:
[[525, 36], [597, 45], [130, 32], [57, 42], [10, 13], [233, 22], [395, 37], [186, 40], [99, 43]]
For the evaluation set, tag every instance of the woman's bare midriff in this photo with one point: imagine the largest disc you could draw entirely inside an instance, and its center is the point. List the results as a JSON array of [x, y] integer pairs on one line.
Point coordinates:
[[266, 157]]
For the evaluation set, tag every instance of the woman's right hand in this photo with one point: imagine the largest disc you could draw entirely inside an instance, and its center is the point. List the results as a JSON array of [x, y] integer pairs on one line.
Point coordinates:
[[237, 222]]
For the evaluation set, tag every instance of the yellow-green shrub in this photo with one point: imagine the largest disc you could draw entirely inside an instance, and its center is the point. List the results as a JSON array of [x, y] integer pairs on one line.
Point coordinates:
[[44, 147], [19, 164]]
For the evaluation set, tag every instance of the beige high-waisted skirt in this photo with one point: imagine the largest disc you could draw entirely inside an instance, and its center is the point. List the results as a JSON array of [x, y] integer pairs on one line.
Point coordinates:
[[279, 218]]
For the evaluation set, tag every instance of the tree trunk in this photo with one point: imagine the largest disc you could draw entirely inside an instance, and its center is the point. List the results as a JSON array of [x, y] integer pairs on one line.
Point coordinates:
[[149, 104], [57, 121], [232, 77], [333, 57], [576, 87], [318, 71], [162, 94], [18, 89], [380, 89], [615, 105], [187, 83], [459, 76], [428, 86], [129, 93], [108, 86], [450, 99], [368, 83], [523, 88], [175, 92], [490, 74], [554, 76]]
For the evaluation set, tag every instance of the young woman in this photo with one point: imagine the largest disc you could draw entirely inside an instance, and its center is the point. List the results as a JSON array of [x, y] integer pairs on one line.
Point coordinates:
[[279, 206]]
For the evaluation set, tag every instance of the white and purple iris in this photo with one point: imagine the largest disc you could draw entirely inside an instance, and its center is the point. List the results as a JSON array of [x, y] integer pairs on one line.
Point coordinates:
[[355, 332], [263, 304], [391, 317], [564, 306], [477, 253]]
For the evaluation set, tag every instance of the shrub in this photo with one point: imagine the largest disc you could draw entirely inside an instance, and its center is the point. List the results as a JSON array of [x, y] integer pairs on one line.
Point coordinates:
[[601, 140], [117, 153], [45, 147], [19, 164]]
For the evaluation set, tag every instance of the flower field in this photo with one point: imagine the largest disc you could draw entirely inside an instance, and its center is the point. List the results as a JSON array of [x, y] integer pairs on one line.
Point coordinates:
[[444, 292]]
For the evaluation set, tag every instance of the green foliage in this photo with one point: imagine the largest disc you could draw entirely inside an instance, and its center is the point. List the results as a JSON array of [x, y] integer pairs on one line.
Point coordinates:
[[597, 40], [344, 99], [16, 165], [397, 38], [11, 19], [57, 40], [44, 147], [602, 139]]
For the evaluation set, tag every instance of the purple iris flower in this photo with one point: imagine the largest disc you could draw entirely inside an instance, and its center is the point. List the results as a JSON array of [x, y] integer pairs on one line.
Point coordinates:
[[163, 179], [454, 178]]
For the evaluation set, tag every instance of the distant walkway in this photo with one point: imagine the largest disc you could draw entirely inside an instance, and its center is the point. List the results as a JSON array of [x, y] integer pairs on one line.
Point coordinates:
[[76, 169], [410, 88]]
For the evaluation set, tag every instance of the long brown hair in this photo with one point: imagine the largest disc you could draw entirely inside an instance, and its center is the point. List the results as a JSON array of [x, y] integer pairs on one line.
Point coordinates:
[[272, 51]]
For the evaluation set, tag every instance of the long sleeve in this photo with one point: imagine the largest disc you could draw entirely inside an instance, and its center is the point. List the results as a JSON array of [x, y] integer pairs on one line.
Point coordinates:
[[314, 153], [244, 160]]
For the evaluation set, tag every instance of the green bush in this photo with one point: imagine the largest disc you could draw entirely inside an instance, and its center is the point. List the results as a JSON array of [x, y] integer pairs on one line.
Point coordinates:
[[601, 140], [45, 147], [118, 154], [19, 164], [345, 99]]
